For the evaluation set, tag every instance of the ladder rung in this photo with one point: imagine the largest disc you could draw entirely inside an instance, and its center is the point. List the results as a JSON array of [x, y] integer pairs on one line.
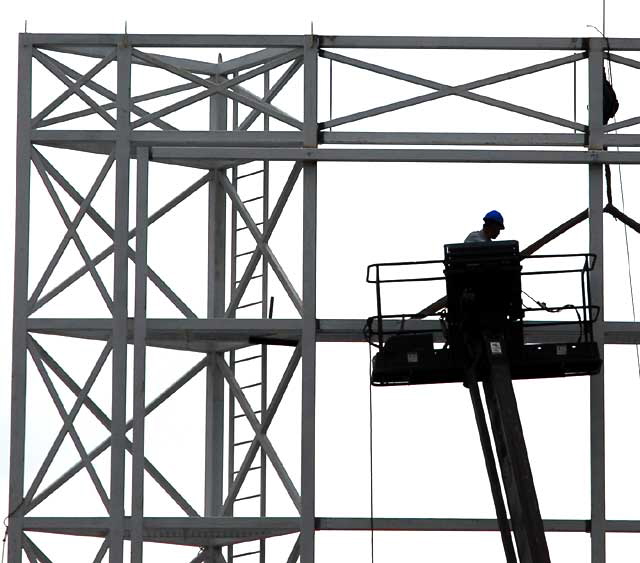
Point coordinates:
[[253, 384], [249, 305], [243, 228], [245, 253], [250, 469], [246, 498], [250, 174], [244, 415], [251, 278], [253, 199], [247, 359], [246, 553], [243, 443]]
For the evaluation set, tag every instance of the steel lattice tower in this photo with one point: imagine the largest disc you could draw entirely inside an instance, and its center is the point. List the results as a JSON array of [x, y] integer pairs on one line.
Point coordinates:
[[222, 339]]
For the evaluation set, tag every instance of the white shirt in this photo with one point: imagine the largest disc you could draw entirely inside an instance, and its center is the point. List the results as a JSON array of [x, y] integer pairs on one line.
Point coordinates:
[[477, 236]]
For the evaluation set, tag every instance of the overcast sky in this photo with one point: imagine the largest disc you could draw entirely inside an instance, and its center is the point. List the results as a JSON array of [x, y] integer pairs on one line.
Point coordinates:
[[397, 212]]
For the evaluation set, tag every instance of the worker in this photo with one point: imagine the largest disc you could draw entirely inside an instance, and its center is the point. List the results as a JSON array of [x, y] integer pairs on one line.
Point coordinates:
[[493, 224]]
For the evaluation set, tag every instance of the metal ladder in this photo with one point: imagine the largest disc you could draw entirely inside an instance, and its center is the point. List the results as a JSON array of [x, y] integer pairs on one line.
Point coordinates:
[[249, 365]]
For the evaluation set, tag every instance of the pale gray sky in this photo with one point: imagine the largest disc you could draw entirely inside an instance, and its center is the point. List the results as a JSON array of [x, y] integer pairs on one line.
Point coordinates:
[[421, 469]]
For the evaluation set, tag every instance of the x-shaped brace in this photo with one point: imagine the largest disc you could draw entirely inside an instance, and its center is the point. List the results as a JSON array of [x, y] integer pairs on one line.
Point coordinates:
[[109, 231], [67, 420], [463, 90], [238, 292], [71, 89], [55, 70], [221, 86], [106, 422], [72, 230], [267, 418]]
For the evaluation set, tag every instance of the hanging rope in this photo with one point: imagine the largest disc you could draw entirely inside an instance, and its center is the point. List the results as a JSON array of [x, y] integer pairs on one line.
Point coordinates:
[[627, 221], [4, 541], [371, 450]]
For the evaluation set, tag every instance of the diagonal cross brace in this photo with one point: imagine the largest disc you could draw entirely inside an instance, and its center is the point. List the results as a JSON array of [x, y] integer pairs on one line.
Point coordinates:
[[106, 422], [132, 233], [238, 292], [268, 448], [262, 245], [109, 231], [222, 87], [72, 227], [100, 448], [35, 550], [102, 551], [47, 63], [294, 555], [266, 422], [29, 552], [460, 90], [67, 420], [80, 82], [99, 89], [272, 93]]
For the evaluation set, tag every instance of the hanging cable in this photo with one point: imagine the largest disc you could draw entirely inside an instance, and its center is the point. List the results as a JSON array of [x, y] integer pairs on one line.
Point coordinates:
[[371, 451], [626, 230], [608, 172]]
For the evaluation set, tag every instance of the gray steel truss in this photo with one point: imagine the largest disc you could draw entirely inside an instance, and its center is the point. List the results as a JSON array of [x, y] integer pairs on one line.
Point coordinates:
[[132, 131]]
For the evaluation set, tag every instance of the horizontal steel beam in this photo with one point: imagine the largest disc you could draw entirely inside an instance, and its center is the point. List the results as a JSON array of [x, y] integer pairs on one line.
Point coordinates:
[[491, 43], [161, 40], [251, 139], [204, 332], [330, 41], [203, 156], [233, 527], [439, 524], [179, 531], [294, 138], [498, 139], [464, 524]]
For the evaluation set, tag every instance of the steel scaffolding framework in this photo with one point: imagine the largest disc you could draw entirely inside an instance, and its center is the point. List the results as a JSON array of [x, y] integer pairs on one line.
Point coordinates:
[[217, 153]]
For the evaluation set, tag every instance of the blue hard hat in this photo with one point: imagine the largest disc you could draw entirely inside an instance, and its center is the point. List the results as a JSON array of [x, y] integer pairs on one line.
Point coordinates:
[[496, 217]]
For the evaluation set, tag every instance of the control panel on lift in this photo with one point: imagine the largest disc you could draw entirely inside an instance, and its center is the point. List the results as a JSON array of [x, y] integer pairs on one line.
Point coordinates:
[[483, 282]]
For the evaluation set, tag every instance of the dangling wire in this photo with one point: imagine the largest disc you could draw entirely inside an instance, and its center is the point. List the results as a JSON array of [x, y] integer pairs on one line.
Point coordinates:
[[4, 538], [626, 234], [371, 450], [626, 230]]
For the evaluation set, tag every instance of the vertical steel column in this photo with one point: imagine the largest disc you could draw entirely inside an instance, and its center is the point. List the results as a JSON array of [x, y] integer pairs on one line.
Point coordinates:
[[20, 296], [596, 246], [139, 356], [214, 449], [233, 267], [264, 348], [309, 233], [120, 306]]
